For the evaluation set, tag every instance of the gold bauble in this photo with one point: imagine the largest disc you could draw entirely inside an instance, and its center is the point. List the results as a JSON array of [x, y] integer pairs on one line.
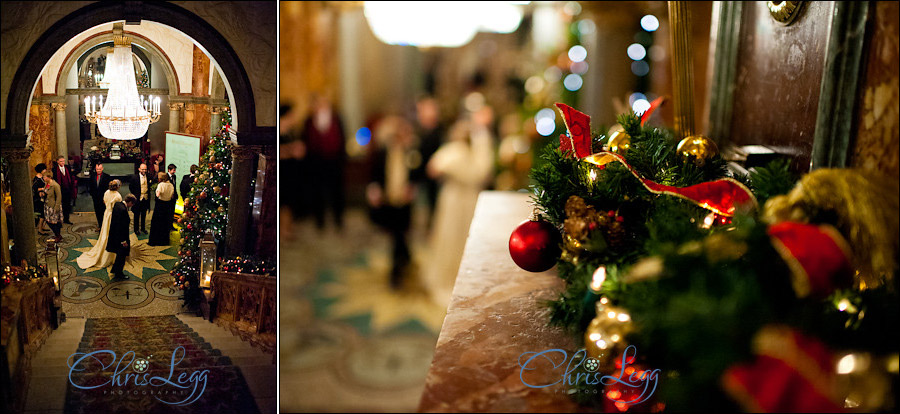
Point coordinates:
[[604, 338], [619, 142], [696, 148]]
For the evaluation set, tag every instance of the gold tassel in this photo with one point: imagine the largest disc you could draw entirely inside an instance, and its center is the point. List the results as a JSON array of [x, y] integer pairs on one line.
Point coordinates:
[[863, 205]]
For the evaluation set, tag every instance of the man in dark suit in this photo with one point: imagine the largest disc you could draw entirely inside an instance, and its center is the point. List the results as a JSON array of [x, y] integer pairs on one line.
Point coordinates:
[[173, 179], [68, 184], [97, 185], [187, 181], [118, 240], [140, 186]]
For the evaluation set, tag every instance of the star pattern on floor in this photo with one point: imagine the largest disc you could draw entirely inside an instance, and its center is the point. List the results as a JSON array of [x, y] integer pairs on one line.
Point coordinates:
[[362, 290], [141, 256]]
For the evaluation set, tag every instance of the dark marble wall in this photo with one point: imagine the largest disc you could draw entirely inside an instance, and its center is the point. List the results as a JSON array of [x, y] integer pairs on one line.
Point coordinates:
[[876, 146]]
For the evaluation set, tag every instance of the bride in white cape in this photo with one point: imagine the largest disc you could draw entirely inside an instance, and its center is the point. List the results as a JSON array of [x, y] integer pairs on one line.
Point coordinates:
[[98, 257]]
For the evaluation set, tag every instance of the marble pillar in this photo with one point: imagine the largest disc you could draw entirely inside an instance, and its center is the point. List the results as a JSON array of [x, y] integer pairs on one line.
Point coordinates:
[[23, 231], [239, 198], [175, 116], [215, 120], [42, 140], [62, 141]]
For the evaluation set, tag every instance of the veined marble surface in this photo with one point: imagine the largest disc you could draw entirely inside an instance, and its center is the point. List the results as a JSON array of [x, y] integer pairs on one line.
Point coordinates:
[[495, 315]]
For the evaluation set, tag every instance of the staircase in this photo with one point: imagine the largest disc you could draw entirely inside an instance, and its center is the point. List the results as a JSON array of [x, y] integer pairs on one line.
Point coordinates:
[[258, 367], [49, 373]]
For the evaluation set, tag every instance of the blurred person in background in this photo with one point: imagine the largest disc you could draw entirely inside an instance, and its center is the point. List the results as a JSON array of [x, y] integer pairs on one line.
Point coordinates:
[[187, 181], [431, 136], [464, 165], [53, 209], [391, 190], [292, 163], [323, 137], [38, 195], [68, 184]]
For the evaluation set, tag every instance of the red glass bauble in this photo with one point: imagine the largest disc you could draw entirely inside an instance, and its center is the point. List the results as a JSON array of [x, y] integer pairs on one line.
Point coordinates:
[[534, 245]]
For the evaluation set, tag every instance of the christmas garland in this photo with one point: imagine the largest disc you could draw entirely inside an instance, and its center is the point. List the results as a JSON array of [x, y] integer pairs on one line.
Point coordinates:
[[724, 283], [25, 272], [248, 264]]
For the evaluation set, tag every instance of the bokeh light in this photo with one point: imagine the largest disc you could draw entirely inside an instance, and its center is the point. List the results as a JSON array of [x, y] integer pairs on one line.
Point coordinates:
[[573, 82], [552, 74], [640, 106], [640, 68], [650, 23], [363, 136], [636, 51], [545, 126], [577, 53]]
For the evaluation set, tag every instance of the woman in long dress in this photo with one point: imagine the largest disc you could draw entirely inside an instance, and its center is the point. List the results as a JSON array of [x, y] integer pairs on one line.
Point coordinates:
[[464, 165], [98, 257], [161, 222]]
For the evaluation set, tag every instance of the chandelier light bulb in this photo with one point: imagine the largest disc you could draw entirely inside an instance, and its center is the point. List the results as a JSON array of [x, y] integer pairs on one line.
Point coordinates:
[[125, 114]]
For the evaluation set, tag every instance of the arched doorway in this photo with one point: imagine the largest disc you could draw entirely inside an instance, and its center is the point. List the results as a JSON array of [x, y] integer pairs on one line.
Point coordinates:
[[208, 38], [205, 36]]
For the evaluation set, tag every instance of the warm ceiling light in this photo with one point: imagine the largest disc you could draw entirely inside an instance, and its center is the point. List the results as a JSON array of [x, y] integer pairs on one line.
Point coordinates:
[[439, 23]]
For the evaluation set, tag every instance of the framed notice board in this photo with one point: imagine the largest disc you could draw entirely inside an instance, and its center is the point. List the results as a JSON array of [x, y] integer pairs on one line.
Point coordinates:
[[183, 150]]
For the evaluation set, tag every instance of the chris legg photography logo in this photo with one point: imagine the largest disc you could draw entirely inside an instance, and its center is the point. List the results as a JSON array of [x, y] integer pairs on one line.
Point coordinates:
[[644, 381], [131, 376]]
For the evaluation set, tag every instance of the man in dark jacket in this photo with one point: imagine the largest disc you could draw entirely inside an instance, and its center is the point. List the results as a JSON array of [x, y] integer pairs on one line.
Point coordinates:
[[187, 181], [118, 241], [97, 185], [140, 186], [68, 184], [173, 178]]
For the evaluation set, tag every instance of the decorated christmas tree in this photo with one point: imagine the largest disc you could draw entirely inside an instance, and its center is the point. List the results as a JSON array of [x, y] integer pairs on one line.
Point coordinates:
[[205, 210]]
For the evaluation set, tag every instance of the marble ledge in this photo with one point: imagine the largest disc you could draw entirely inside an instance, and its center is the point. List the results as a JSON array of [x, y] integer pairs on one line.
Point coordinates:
[[496, 314]]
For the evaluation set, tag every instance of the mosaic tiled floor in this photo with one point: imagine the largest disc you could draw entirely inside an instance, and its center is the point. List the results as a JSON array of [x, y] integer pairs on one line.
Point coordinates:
[[349, 342], [90, 292]]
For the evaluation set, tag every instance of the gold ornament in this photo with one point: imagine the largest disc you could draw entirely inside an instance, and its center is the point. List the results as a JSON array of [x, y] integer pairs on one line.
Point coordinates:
[[604, 339], [864, 381], [696, 148], [221, 209], [619, 141], [862, 205]]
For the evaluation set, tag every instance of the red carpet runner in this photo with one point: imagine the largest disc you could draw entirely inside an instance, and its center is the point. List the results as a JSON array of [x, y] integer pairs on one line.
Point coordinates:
[[153, 364]]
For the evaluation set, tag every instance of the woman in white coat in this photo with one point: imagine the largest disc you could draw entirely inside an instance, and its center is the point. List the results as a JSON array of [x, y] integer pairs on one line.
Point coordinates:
[[464, 165]]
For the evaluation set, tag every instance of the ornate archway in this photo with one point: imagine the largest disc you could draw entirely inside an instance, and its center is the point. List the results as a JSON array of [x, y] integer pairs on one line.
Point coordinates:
[[213, 43], [203, 33]]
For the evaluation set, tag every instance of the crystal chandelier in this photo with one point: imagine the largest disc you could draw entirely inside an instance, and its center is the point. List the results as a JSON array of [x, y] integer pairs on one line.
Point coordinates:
[[125, 115]]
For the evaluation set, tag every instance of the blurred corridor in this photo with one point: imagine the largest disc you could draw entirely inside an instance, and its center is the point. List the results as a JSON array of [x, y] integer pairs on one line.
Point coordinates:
[[388, 136]]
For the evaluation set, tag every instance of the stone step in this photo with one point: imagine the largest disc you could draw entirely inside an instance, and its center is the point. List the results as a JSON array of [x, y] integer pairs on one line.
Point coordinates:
[[262, 380], [252, 360], [267, 405], [46, 393]]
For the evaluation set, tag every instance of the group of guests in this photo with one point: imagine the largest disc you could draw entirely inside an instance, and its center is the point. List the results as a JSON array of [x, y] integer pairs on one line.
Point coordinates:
[[55, 191], [455, 166], [406, 158]]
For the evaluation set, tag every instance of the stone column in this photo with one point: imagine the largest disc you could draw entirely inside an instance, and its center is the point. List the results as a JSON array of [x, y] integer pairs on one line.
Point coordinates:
[[62, 142], [239, 198], [24, 232], [215, 120], [174, 116]]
